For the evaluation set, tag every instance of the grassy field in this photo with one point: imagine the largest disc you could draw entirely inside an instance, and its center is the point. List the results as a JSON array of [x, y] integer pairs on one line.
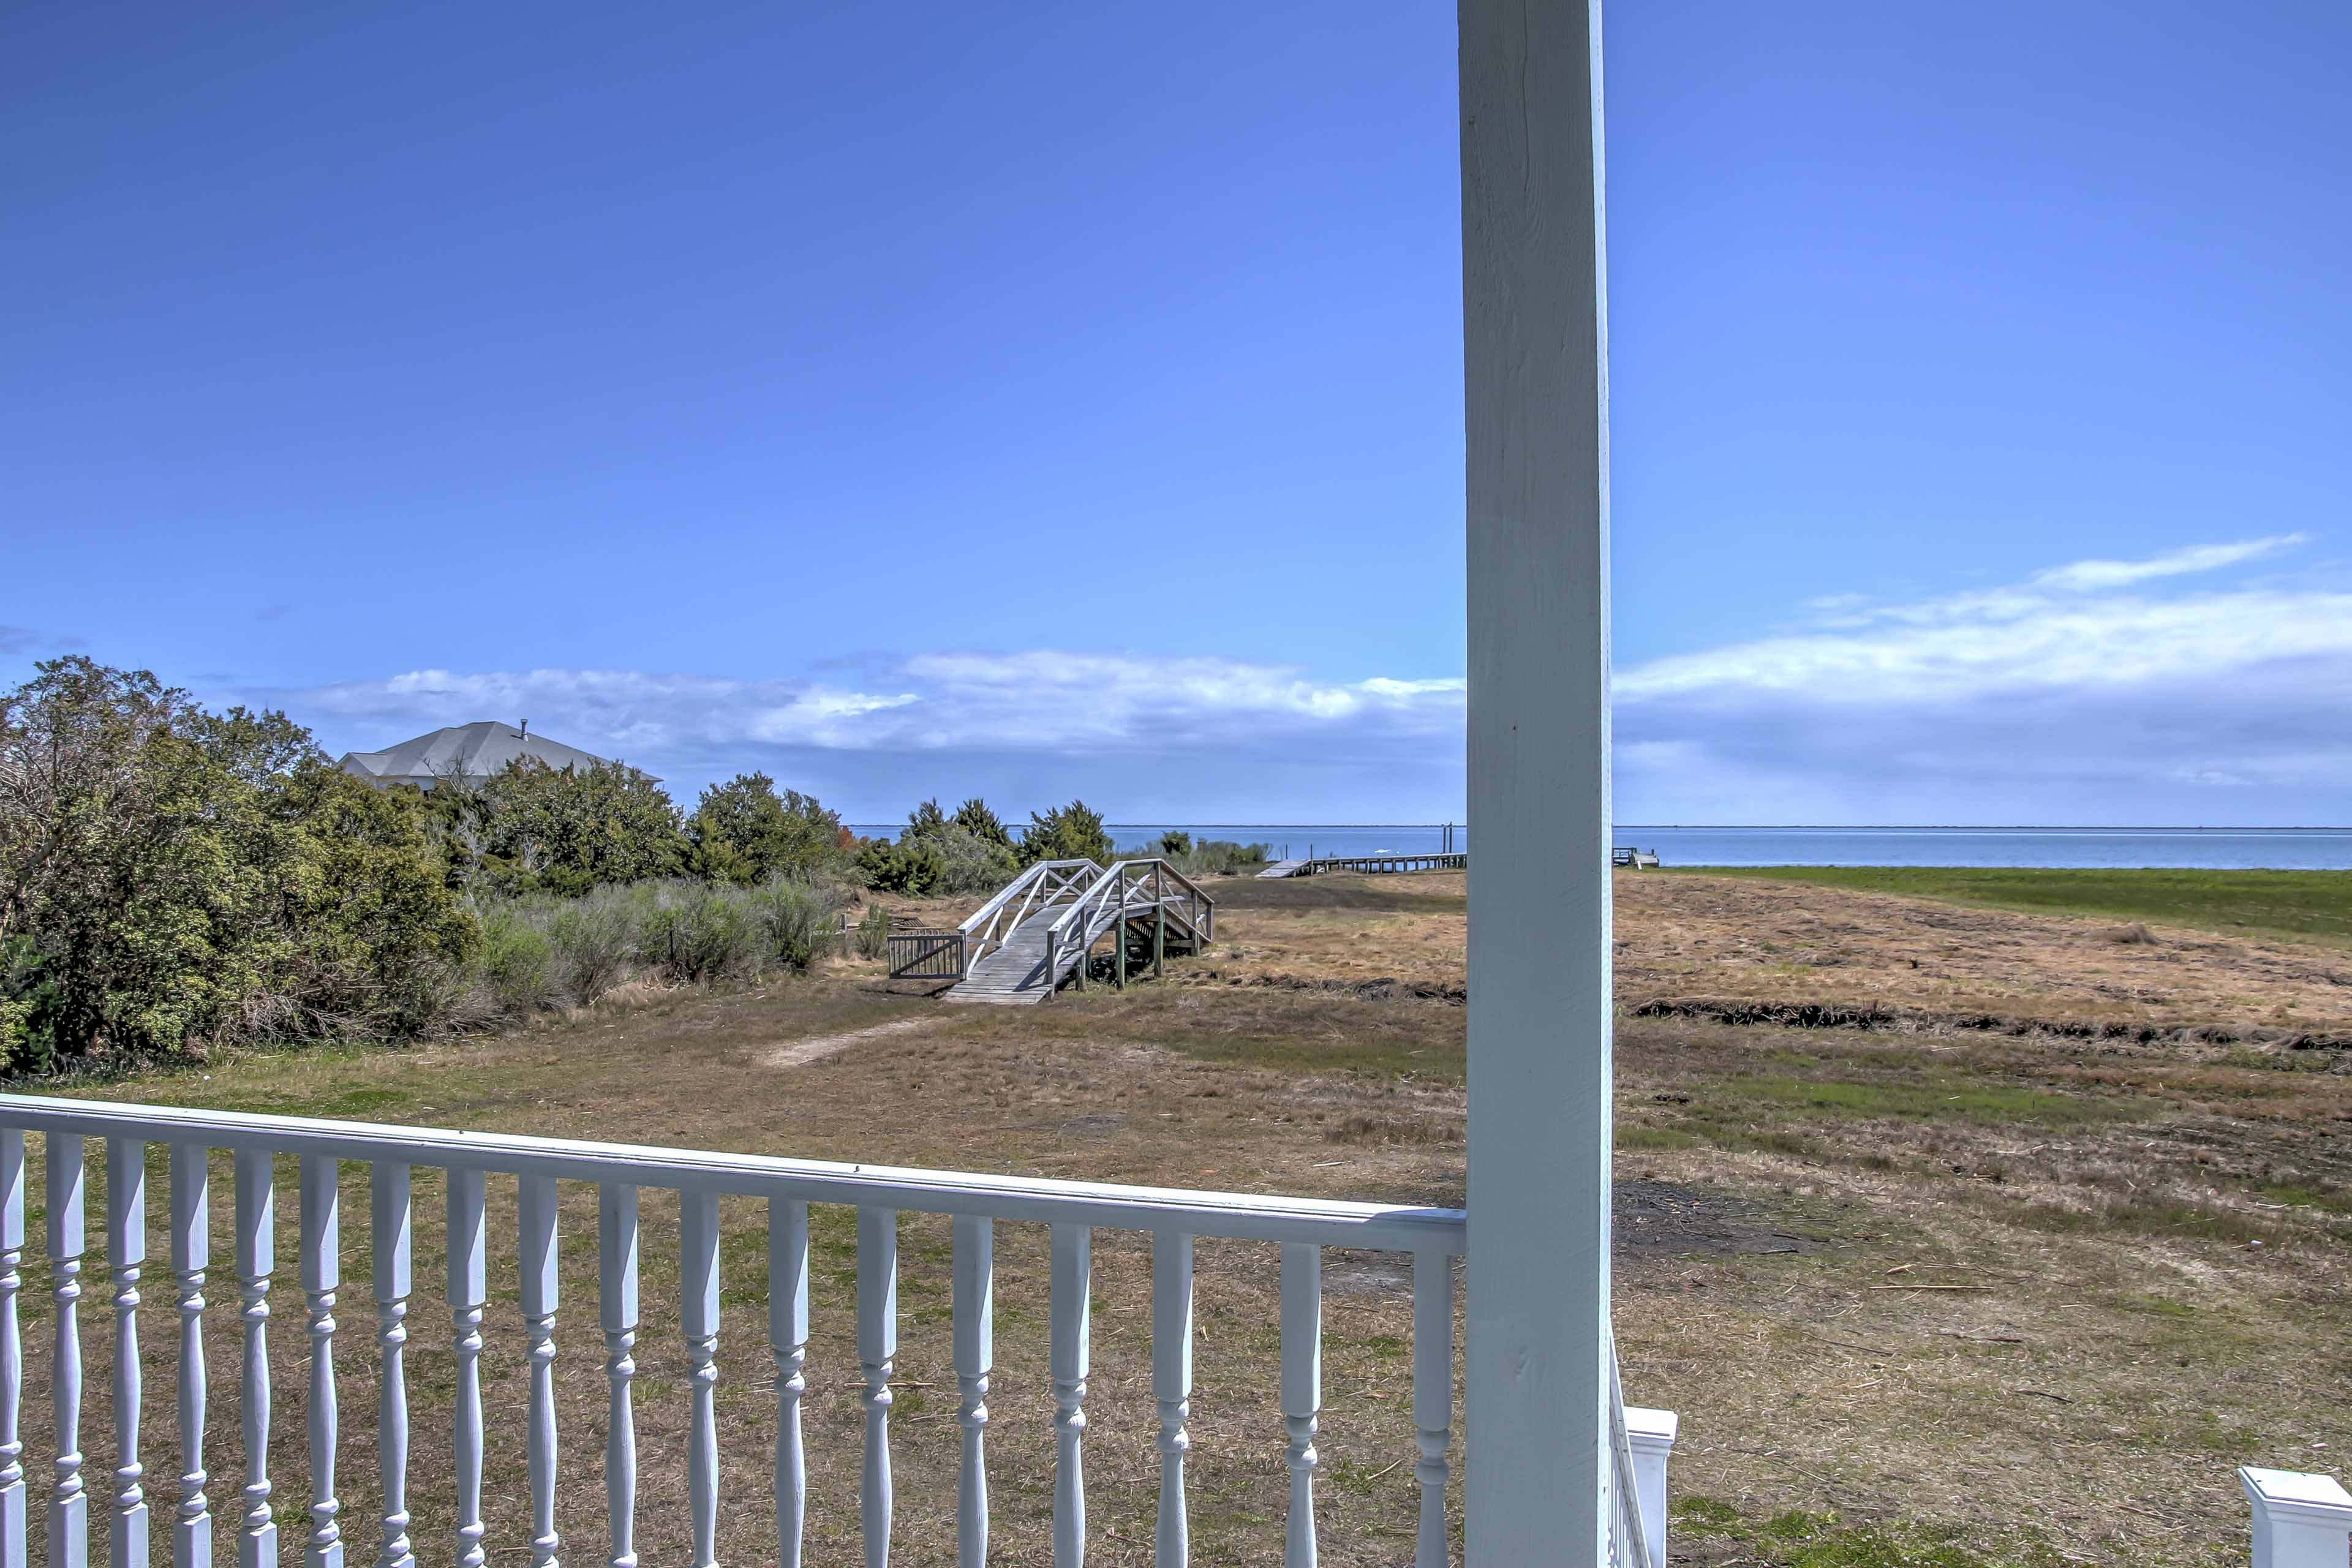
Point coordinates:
[[1953, 1298], [2304, 906]]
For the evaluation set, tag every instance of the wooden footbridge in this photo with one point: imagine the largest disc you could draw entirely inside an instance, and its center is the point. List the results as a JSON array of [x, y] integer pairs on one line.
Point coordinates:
[[1043, 928]]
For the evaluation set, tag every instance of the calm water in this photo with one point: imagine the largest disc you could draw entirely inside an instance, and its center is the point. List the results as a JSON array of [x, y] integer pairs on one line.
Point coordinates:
[[2214, 848], [2217, 849]]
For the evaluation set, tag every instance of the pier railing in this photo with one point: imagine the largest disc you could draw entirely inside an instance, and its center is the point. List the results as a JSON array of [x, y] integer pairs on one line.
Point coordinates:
[[1174, 1219]]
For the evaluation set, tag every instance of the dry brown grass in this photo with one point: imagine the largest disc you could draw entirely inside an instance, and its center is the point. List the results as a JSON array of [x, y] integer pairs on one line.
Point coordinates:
[[1923, 961], [2121, 1346]]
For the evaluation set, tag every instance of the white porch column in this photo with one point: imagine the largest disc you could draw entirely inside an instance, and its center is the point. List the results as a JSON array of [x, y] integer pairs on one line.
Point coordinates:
[[1535, 353], [2300, 1521]]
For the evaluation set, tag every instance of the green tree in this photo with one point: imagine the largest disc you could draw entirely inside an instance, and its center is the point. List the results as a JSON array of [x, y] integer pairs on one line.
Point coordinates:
[[133, 862], [1071, 832], [913, 866], [168, 874], [376, 927], [569, 829], [967, 853], [974, 817], [742, 831]]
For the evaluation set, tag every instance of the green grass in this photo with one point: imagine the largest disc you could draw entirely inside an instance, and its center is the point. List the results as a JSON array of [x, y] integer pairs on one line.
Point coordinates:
[[1928, 1096], [2308, 905], [1802, 1539]]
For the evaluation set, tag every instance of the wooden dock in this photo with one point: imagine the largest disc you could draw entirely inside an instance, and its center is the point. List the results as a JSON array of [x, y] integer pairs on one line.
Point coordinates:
[[1639, 859], [1386, 862]]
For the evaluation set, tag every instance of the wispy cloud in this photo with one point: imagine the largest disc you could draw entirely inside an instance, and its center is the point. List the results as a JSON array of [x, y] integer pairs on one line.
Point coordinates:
[[2096, 690], [16, 640], [2091, 575], [1195, 735]]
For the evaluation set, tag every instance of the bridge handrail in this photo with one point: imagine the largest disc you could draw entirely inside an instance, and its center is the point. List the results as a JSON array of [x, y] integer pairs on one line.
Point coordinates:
[[986, 928], [1116, 875]]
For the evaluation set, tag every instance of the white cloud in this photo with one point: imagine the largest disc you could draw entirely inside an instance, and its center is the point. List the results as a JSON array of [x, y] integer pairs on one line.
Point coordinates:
[[1048, 720], [2099, 691], [2029, 643], [2062, 699], [2093, 575]]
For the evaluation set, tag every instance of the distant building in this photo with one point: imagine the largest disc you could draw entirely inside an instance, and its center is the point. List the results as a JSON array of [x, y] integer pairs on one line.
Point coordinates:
[[470, 752]]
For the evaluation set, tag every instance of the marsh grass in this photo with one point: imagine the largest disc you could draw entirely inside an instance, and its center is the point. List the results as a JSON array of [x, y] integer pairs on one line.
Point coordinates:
[[2308, 906]]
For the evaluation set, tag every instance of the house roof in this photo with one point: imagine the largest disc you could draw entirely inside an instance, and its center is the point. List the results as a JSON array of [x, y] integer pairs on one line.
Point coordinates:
[[463, 750]]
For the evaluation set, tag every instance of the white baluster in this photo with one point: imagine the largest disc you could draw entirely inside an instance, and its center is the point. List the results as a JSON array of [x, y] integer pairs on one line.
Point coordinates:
[[1171, 1385], [391, 1243], [192, 1254], [322, 1276], [617, 1302], [126, 1250], [1302, 1389], [697, 1269], [1433, 1396], [69, 1507], [540, 1289], [1070, 1355], [12, 1349], [468, 1293], [975, 1356], [877, 1349], [257, 1255], [788, 1330]]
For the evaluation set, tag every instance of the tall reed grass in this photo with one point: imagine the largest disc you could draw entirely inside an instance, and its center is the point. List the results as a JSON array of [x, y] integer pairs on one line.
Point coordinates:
[[539, 954]]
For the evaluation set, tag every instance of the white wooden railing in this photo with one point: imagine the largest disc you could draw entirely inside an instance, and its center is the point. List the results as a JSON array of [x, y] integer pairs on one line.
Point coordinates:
[[1041, 887], [1430, 1238], [1123, 892]]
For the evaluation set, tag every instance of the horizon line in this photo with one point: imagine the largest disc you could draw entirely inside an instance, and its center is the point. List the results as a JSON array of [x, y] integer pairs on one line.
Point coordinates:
[[1791, 827]]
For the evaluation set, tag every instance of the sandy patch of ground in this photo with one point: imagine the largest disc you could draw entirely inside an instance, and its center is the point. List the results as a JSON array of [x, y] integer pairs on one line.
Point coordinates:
[[817, 1047]]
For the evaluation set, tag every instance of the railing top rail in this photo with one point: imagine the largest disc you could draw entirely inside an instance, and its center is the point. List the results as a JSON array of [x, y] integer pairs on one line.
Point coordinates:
[[1188, 885], [1004, 895], [1247, 1216], [1117, 876]]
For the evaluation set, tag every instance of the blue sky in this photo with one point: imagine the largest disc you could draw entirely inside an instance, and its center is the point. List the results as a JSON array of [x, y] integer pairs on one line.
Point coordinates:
[[940, 399]]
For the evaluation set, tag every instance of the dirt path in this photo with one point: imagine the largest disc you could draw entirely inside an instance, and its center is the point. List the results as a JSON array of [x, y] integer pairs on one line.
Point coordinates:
[[800, 1053]]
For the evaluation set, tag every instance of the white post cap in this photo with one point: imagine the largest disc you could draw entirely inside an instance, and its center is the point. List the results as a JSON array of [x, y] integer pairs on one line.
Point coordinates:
[[2290, 1497], [1648, 1430]]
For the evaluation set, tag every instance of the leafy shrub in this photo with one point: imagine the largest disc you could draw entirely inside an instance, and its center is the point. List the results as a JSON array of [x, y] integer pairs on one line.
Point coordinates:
[[1223, 858], [1071, 832], [912, 866], [974, 817], [1205, 858], [938, 854], [874, 932], [595, 943], [169, 874], [742, 831], [699, 932], [795, 921], [569, 830], [517, 967]]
